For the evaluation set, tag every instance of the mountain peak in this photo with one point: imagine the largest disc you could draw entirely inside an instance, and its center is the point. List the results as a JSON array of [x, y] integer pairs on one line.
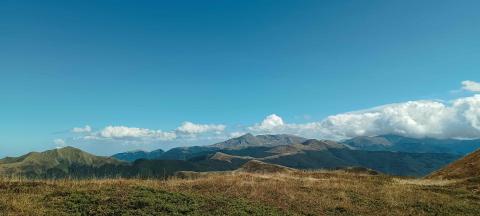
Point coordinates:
[[40, 163], [368, 141], [249, 140], [247, 135], [68, 149]]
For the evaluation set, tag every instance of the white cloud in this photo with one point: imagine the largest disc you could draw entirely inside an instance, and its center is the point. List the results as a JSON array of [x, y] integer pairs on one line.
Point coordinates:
[[472, 86], [120, 132], [59, 142], [413, 118], [236, 134], [428, 118], [191, 128], [86, 129], [188, 131], [271, 123]]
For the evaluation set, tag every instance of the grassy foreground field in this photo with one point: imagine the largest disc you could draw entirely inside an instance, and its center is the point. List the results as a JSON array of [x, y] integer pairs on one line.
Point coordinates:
[[299, 193]]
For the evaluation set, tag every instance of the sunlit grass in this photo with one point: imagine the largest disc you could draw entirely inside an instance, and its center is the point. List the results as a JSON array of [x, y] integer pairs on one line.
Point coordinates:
[[298, 193]]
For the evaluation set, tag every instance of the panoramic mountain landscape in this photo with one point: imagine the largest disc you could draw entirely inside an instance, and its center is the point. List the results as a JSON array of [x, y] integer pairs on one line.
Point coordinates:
[[252, 188], [242, 175], [312, 107], [302, 153], [285, 150]]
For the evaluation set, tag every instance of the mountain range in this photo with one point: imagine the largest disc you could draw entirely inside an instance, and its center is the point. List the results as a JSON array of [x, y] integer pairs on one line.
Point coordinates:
[[418, 145], [244, 143], [249, 140], [390, 143], [386, 154]]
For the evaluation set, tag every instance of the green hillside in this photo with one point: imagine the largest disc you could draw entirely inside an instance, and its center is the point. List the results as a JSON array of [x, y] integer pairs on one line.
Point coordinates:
[[56, 162]]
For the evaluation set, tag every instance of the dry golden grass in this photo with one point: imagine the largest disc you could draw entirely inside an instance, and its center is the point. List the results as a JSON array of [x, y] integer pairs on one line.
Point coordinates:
[[465, 167], [299, 193], [426, 182]]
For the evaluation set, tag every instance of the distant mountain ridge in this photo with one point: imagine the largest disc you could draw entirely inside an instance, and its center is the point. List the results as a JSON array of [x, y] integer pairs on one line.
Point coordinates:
[[242, 142], [415, 145], [290, 143], [135, 155], [301, 153], [249, 140]]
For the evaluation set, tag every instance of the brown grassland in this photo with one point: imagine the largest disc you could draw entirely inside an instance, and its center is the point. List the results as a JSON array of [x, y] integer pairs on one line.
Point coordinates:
[[238, 193]]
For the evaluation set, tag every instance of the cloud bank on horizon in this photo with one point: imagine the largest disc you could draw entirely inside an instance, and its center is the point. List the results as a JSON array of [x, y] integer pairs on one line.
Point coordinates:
[[459, 118]]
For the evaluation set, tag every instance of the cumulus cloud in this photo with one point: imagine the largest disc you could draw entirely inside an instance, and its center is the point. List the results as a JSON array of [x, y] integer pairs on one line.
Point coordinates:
[[472, 86], [271, 123], [120, 132], [59, 142], [427, 118], [128, 135], [192, 128], [86, 129]]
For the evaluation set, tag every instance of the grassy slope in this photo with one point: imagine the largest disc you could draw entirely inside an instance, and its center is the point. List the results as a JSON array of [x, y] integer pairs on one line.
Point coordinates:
[[466, 167], [302, 193], [39, 163]]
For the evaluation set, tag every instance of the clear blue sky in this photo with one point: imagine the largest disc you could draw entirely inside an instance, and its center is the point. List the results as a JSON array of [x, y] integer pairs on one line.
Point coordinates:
[[155, 64]]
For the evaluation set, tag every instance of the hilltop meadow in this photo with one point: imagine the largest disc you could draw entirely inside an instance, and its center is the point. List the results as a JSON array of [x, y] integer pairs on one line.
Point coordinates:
[[243, 193]]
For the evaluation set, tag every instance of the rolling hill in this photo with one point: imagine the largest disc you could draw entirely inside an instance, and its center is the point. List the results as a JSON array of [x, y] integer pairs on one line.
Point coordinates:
[[255, 166], [53, 163]]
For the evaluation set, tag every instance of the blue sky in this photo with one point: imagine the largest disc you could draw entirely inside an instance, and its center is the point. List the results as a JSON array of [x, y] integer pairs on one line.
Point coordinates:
[[155, 64]]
